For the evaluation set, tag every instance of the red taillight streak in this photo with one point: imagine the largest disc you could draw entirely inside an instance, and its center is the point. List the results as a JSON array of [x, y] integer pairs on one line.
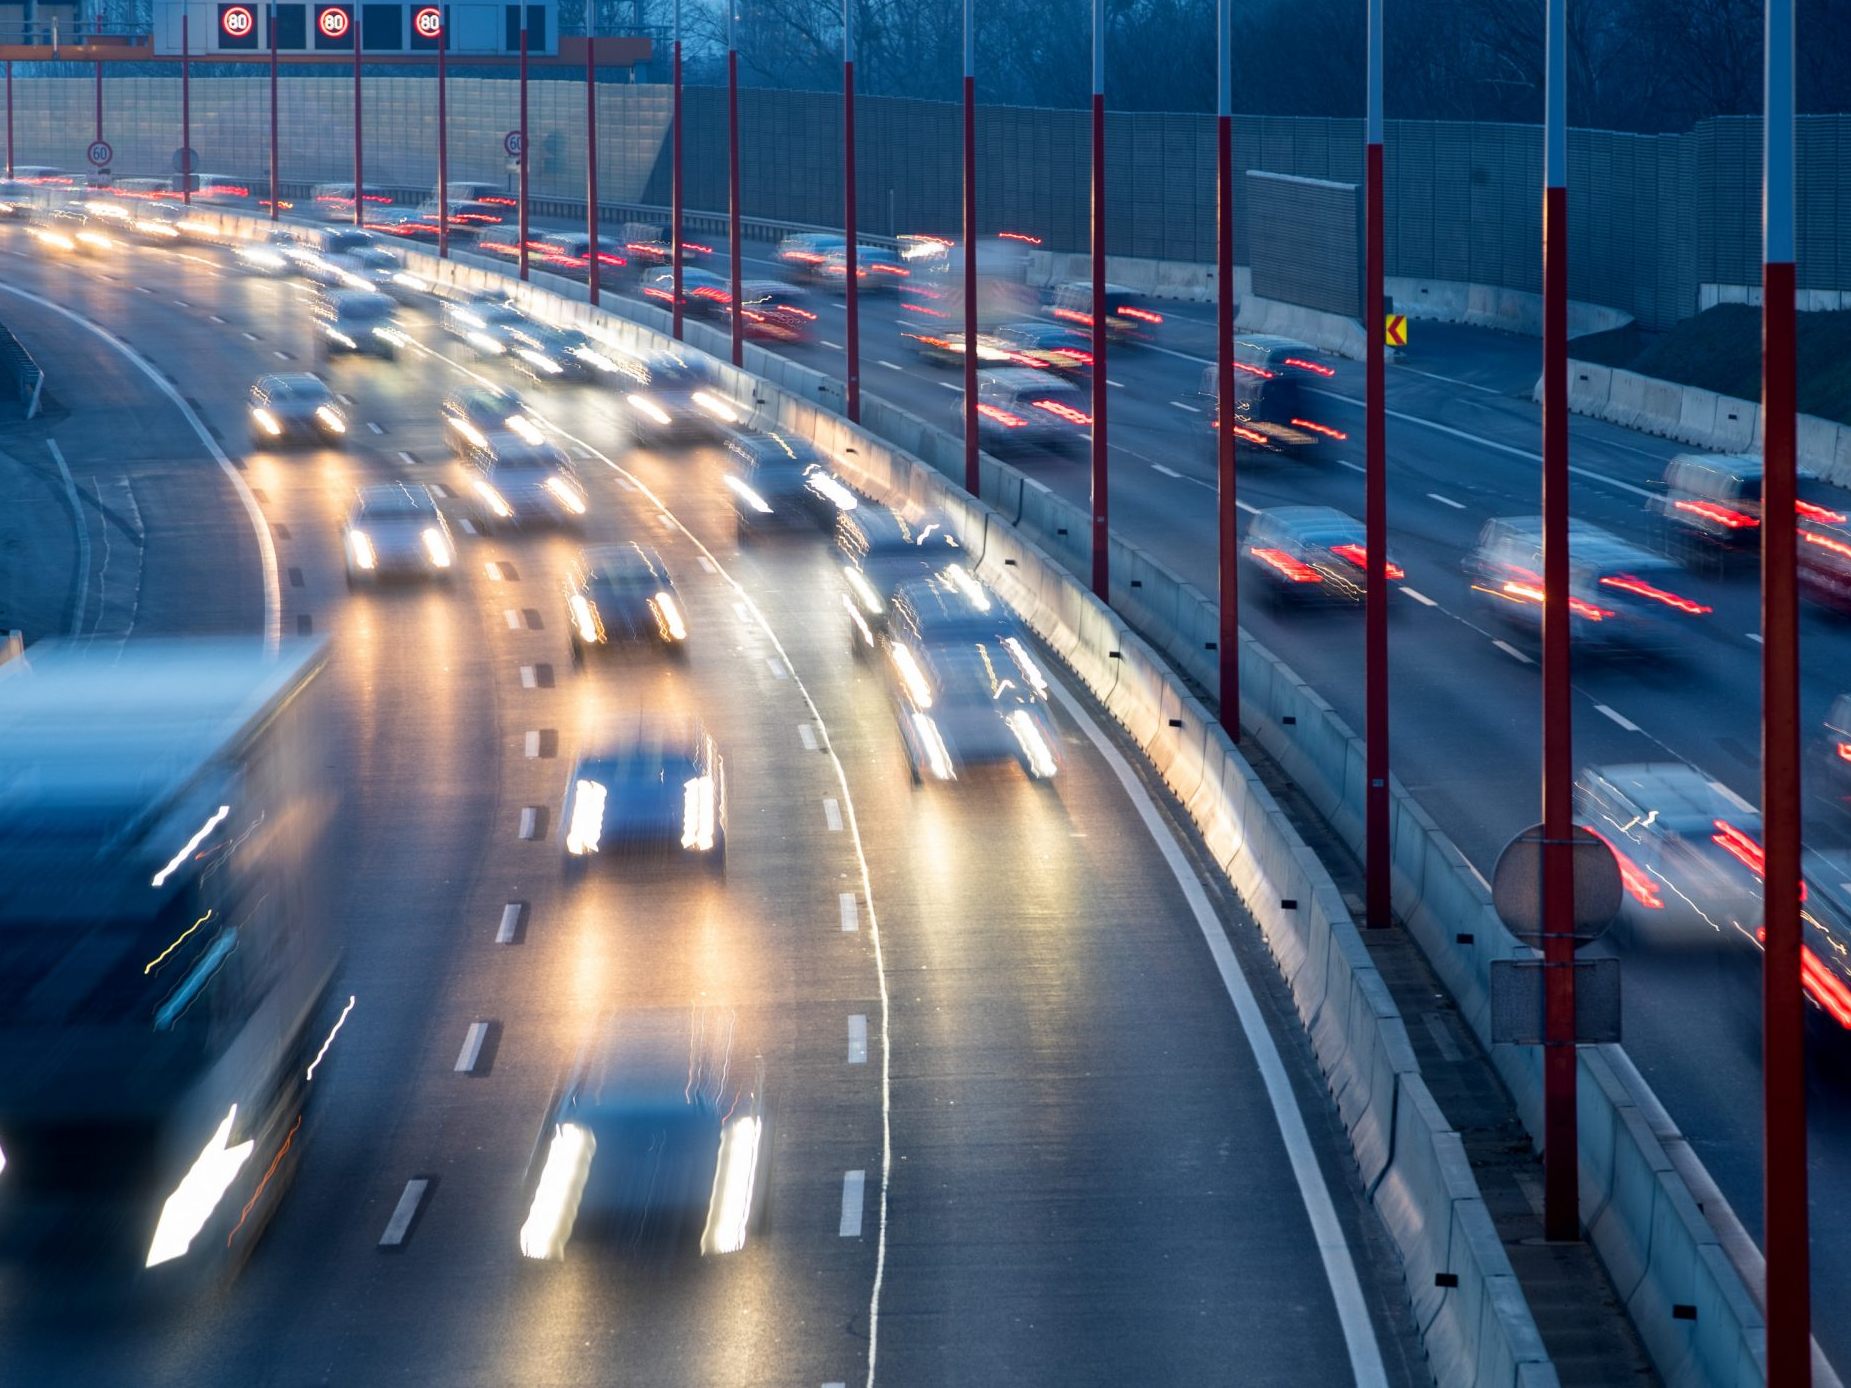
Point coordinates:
[[1323, 429], [1626, 583], [1743, 848], [800, 313], [1529, 592], [1021, 236], [1001, 416], [926, 309], [1722, 515], [1252, 370], [696, 247], [1293, 569], [499, 201], [1073, 315], [1812, 537], [1809, 511], [1249, 435], [1844, 751], [1315, 368], [899, 270], [1359, 556], [1143, 315], [1063, 411], [1822, 985], [1638, 885]]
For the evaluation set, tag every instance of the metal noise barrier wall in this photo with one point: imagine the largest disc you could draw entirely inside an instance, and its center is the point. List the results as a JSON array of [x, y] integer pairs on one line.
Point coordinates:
[[1471, 1312], [1305, 239]]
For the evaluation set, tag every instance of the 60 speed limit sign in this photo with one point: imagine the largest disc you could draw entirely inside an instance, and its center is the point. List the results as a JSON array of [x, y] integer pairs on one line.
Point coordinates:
[[513, 142], [99, 154]]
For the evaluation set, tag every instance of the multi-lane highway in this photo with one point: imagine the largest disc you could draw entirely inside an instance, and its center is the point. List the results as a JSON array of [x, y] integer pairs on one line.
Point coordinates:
[[1019, 1132]]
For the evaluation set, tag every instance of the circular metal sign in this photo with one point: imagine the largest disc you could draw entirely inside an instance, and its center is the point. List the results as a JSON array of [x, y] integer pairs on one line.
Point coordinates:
[[238, 22], [512, 142], [99, 154], [427, 22], [334, 23], [1517, 886]]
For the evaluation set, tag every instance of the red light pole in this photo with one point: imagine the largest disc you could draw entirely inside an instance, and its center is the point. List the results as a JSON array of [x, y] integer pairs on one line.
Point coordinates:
[[9, 117], [186, 114], [275, 185], [1561, 1177], [973, 473], [359, 183], [1228, 638], [1377, 859], [99, 99], [1102, 587], [443, 131], [594, 254], [674, 195], [853, 351], [732, 180], [1789, 1274], [523, 162]]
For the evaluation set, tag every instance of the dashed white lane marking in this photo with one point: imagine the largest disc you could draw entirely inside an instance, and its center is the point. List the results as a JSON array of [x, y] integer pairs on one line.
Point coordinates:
[[1617, 717], [832, 813], [832, 346], [947, 385], [1442, 1039], [707, 565], [469, 527], [890, 366], [1327, 1231], [1193, 409], [665, 520], [851, 913], [531, 744], [529, 679], [248, 337], [402, 1214], [493, 570], [807, 736], [777, 667], [214, 318], [1120, 385], [375, 426], [854, 1187], [1755, 636], [405, 457], [1513, 652], [1732, 797], [472, 1048], [1419, 597], [510, 923], [1446, 501], [513, 618], [1450, 380], [1353, 467], [858, 1039], [530, 821], [281, 355]]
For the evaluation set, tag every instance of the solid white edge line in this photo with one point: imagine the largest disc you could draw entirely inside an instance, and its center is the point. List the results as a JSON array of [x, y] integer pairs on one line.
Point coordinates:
[[82, 525], [1339, 1267], [266, 548], [1446, 501], [854, 1197], [472, 1048], [403, 1211], [1741, 804]]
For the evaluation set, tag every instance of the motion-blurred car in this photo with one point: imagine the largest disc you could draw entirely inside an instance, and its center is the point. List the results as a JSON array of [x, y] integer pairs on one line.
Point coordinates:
[[953, 608], [157, 223], [376, 268], [568, 253], [473, 415], [963, 705], [1622, 599], [70, 230], [396, 531], [1710, 506], [1019, 409], [778, 481], [658, 788], [1050, 347], [544, 353], [939, 345], [1283, 356], [486, 322], [1686, 851], [658, 1144], [295, 407], [327, 260], [216, 190], [1835, 747], [703, 293], [620, 595], [467, 221], [1272, 411], [334, 202], [650, 247], [517, 483], [1310, 554], [877, 270], [772, 312], [358, 322], [674, 397], [803, 254], [271, 254], [879, 550], [1825, 564], [1129, 319]]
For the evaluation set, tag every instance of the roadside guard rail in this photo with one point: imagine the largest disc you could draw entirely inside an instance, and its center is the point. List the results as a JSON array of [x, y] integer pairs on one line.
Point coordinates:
[[22, 372], [1469, 1307]]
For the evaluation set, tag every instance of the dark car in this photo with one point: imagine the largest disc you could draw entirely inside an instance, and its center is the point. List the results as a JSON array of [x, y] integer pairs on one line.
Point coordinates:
[[329, 262], [649, 247], [802, 255], [1020, 410], [1835, 747], [377, 268], [622, 595], [1273, 411], [520, 483], [1622, 599], [773, 312], [703, 294], [272, 254], [1310, 553], [1825, 564], [877, 270], [71, 230], [674, 397], [1050, 347], [963, 706], [294, 408], [658, 1144], [358, 322], [544, 353], [568, 253], [396, 530], [778, 481], [1276, 355], [880, 550], [659, 788], [475, 414], [951, 608], [484, 321], [1710, 506], [1129, 318]]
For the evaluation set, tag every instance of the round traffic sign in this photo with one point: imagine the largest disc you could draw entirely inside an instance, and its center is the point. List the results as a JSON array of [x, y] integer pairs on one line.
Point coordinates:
[[427, 22], [1517, 885], [334, 23], [512, 142], [185, 160], [100, 154], [238, 22]]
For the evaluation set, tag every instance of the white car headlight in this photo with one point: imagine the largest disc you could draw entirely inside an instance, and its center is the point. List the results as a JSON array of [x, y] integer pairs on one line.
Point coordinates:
[[186, 1211], [642, 404], [668, 611], [562, 1185], [331, 418], [494, 500], [932, 744], [587, 824], [525, 429], [747, 495], [407, 280], [1036, 753], [585, 618], [712, 404], [267, 422], [729, 1208], [864, 590], [567, 495], [698, 814], [535, 357], [360, 545], [385, 332], [917, 685], [436, 547]]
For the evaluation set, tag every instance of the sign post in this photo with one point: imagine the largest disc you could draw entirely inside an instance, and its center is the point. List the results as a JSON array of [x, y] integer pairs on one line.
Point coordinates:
[[427, 23], [275, 184]]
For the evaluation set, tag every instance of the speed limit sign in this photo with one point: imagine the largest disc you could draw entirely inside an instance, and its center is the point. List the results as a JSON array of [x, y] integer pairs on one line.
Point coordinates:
[[99, 154], [513, 142], [427, 23], [238, 21], [334, 23]]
